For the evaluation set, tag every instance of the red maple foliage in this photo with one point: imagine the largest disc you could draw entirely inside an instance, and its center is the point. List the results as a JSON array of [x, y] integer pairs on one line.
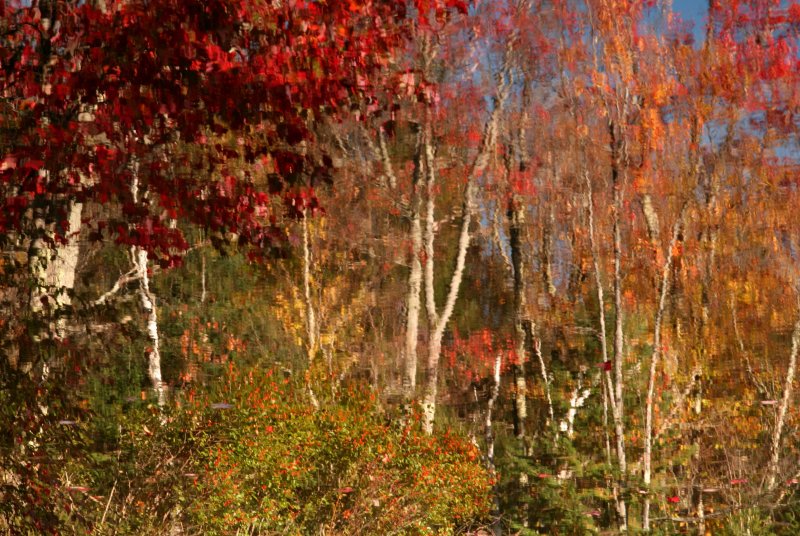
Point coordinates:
[[206, 105]]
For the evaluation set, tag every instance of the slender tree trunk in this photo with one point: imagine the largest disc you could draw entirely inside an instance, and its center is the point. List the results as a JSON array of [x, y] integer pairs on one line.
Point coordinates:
[[430, 227], [413, 294], [311, 320], [697, 488], [203, 278], [665, 288], [149, 306], [516, 216], [619, 381], [537, 345], [651, 382], [391, 178], [606, 395], [439, 321], [526, 344], [577, 400], [619, 429], [435, 344], [775, 444], [547, 253], [489, 429], [148, 301], [709, 243]]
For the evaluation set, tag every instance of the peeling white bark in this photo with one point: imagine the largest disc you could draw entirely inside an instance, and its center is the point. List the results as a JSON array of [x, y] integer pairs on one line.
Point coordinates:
[[489, 413], [311, 321], [777, 433], [430, 227], [435, 344], [537, 346], [440, 320], [651, 383], [516, 217], [149, 306], [619, 427], [576, 400], [413, 295], [54, 268], [489, 430]]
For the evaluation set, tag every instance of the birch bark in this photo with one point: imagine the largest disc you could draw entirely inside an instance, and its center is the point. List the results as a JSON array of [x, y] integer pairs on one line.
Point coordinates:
[[150, 308], [413, 294], [777, 433], [311, 320], [439, 321], [619, 427], [677, 229]]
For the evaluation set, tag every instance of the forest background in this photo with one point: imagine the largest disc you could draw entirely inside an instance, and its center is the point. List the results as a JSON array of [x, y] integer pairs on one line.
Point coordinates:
[[429, 267]]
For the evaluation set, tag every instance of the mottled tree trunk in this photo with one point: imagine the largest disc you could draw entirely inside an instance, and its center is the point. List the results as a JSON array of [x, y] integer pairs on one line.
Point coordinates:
[[414, 286], [438, 321], [54, 268], [516, 217], [619, 429], [310, 316], [656, 354], [441, 320], [150, 308], [489, 431], [775, 443]]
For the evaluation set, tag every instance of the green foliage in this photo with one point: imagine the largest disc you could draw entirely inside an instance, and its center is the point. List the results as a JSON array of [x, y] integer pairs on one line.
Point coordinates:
[[550, 502], [752, 521], [251, 453], [274, 463]]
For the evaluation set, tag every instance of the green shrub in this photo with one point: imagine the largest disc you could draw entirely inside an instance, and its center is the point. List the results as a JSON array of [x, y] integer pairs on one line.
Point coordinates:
[[274, 463], [253, 455]]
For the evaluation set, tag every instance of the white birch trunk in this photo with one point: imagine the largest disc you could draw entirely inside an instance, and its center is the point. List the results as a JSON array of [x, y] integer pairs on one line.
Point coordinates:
[[576, 400], [391, 178], [430, 227], [516, 216], [619, 428], [489, 413], [651, 382], [311, 320], [489, 430], [775, 448], [203, 292], [488, 141], [537, 346], [413, 295], [54, 268], [619, 381], [700, 507], [439, 321], [435, 344], [149, 306]]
